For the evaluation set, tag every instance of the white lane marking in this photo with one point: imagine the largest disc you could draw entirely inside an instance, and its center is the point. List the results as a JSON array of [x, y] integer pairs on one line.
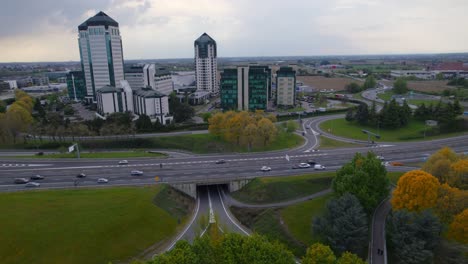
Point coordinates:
[[212, 217], [227, 213], [316, 141], [188, 226]]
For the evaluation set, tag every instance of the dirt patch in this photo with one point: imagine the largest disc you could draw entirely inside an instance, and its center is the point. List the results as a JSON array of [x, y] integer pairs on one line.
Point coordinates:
[[323, 83], [426, 86]]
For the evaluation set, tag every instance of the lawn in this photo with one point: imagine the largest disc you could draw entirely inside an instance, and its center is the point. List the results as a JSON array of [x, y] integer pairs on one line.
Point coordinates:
[[298, 218], [81, 226], [101, 155], [394, 176], [276, 189], [413, 131], [387, 96], [328, 143]]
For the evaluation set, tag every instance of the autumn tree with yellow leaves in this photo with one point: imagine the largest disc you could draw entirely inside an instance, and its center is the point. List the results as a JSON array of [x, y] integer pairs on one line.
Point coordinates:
[[448, 167], [244, 128], [416, 190], [18, 118], [458, 229]]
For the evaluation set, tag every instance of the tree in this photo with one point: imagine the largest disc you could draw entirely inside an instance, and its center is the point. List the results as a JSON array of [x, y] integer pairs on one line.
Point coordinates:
[[350, 115], [366, 178], [250, 134], [2, 106], [460, 173], [319, 254], [291, 126], [216, 125], [404, 114], [400, 86], [416, 191], [343, 225], [413, 236], [68, 110], [362, 114], [353, 88], [440, 163], [266, 130], [180, 111], [458, 229], [143, 124], [450, 202], [350, 258], [369, 83]]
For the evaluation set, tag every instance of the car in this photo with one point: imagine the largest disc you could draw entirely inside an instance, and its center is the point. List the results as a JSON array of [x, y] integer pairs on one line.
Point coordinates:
[[136, 173], [396, 163], [319, 167], [33, 184], [265, 168], [304, 165], [102, 180], [221, 161], [123, 162], [37, 177], [311, 162], [308, 126], [21, 180], [81, 175], [40, 153]]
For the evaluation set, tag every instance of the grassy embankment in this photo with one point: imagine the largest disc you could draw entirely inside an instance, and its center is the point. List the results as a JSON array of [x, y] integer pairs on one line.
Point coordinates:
[[413, 131], [328, 143], [88, 225]]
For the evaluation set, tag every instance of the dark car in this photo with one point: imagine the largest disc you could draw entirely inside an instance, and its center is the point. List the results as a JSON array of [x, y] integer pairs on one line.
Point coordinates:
[[21, 180], [37, 177], [81, 175], [311, 162], [221, 161]]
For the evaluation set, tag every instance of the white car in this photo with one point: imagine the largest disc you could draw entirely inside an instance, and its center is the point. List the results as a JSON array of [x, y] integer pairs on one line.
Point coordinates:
[[304, 165], [123, 162], [136, 173], [33, 184], [319, 167], [102, 180], [265, 168]]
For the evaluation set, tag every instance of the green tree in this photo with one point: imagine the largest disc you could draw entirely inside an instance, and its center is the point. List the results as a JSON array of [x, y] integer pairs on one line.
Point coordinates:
[[2, 106], [369, 83], [366, 178], [319, 254], [143, 124], [181, 111], [400, 86], [350, 258], [413, 236], [291, 126], [343, 225], [362, 114], [266, 130], [68, 110], [353, 88]]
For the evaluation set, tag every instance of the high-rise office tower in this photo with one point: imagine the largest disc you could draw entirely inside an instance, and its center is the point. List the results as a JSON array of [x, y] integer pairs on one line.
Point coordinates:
[[101, 53], [286, 86], [245, 88], [206, 64]]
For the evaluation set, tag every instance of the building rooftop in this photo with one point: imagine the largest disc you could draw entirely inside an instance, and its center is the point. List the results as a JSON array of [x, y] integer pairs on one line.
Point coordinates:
[[100, 19], [147, 92], [109, 89], [133, 69], [204, 39]]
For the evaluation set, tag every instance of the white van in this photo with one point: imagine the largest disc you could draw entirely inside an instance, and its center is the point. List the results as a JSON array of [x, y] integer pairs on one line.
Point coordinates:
[[319, 167]]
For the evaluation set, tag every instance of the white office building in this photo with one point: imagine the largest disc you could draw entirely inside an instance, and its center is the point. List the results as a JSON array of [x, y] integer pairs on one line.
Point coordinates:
[[206, 64], [286, 86], [153, 104], [159, 79], [111, 99], [101, 53]]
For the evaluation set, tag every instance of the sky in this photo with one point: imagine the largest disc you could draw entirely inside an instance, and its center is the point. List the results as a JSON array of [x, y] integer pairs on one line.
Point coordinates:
[[46, 30]]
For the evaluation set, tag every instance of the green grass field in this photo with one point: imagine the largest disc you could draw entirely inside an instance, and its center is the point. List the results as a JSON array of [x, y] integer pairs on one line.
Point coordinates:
[[394, 176], [387, 96], [275, 189], [298, 218], [101, 155], [81, 226], [413, 131], [328, 143]]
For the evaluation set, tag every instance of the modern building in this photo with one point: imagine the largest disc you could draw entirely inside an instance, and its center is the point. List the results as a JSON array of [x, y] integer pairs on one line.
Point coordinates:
[[101, 53], [152, 103], [4, 86], [76, 85], [426, 75], [245, 88], [206, 64], [40, 80], [159, 79], [111, 99], [12, 83], [285, 86]]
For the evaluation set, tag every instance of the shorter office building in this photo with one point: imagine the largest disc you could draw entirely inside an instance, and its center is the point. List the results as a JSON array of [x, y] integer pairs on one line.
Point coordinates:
[[76, 85], [285, 86], [152, 103], [12, 83], [148, 75], [112, 99], [40, 81], [245, 88], [4, 86]]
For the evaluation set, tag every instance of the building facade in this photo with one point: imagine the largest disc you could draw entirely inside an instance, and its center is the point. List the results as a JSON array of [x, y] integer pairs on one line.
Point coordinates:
[[112, 99], [76, 85], [101, 53], [159, 79], [40, 80], [206, 64], [153, 104], [245, 88], [285, 86]]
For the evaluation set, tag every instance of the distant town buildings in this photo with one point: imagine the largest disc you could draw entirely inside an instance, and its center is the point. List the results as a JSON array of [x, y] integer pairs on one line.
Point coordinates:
[[76, 85], [286, 86], [245, 88], [148, 75], [12, 84], [206, 64], [100, 53], [447, 69], [4, 86]]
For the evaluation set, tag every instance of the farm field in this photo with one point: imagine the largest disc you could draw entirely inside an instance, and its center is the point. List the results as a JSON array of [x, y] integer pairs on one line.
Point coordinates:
[[320, 82]]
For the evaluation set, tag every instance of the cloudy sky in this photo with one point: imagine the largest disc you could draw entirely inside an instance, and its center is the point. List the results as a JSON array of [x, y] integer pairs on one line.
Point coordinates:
[[46, 30]]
